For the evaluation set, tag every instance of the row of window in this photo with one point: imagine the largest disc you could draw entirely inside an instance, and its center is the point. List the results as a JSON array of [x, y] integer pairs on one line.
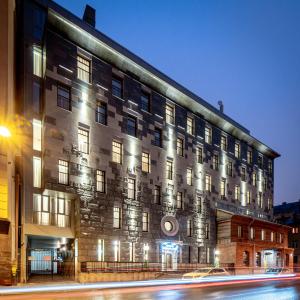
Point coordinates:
[[274, 236]]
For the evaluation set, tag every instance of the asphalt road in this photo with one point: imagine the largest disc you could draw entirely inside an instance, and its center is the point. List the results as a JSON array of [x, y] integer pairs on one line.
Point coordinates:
[[279, 290]]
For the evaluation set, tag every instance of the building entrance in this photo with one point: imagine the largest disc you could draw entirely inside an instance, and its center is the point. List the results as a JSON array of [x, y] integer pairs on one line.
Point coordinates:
[[169, 256], [272, 259]]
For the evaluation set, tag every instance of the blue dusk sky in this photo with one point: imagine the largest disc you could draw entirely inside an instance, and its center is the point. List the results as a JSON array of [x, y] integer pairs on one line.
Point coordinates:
[[246, 53]]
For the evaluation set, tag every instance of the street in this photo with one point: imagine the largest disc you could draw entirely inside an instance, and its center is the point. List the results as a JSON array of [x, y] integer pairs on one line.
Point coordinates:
[[279, 290]]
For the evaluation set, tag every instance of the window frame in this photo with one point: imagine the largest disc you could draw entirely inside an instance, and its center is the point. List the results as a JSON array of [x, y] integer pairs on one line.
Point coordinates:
[[116, 154], [169, 169], [180, 146], [147, 107], [146, 164], [170, 113], [100, 181], [99, 114], [63, 164], [119, 90], [190, 125], [61, 99], [159, 131], [131, 130], [81, 143], [81, 61]]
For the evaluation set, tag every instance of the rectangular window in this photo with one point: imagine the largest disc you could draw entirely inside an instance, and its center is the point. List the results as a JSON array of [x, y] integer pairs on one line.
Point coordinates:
[[239, 229], [83, 141], [189, 176], [37, 172], [100, 250], [229, 169], [199, 205], [117, 217], [208, 135], [206, 231], [169, 169], [146, 162], [145, 221], [237, 150], [272, 236], [223, 142], [270, 167], [179, 202], [189, 227], [117, 250], [37, 134], [157, 195], [254, 179], [37, 61], [280, 238], [146, 249], [157, 137], [117, 87], [131, 252], [41, 210], [64, 97], [243, 174], [208, 255], [223, 188], [63, 172], [36, 97], [260, 200], [170, 114], [263, 234], [83, 69], [237, 193], [249, 157], [270, 204], [265, 184], [117, 152], [248, 197], [199, 153], [260, 161], [190, 125], [101, 113], [131, 189], [252, 233], [179, 146], [216, 162], [208, 183], [145, 101], [131, 125], [100, 181]]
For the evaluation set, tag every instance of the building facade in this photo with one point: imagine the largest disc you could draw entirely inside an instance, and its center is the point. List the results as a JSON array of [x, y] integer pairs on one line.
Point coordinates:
[[289, 214], [119, 162]]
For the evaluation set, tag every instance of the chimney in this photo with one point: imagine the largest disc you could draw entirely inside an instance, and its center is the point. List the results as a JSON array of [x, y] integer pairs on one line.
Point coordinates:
[[89, 16], [220, 103]]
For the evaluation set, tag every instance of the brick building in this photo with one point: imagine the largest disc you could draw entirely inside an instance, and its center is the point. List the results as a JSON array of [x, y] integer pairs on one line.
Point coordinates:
[[119, 162]]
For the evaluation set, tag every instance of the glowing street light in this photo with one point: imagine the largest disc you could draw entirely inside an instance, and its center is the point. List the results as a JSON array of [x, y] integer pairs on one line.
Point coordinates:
[[4, 132]]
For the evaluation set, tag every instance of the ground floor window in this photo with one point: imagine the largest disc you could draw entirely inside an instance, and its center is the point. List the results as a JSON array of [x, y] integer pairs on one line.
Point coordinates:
[[258, 259], [246, 258]]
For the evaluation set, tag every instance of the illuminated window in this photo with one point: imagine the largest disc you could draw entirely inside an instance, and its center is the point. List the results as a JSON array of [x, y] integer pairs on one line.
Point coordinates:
[[237, 150], [295, 230], [229, 169], [146, 249], [63, 172], [131, 189], [100, 181], [258, 259], [117, 87], [157, 137], [270, 203], [157, 194], [179, 200], [239, 231], [169, 169], [64, 97], [190, 125], [145, 101], [223, 143], [83, 69], [189, 227], [170, 114], [252, 233], [131, 251], [37, 172], [117, 152], [208, 135], [216, 162], [206, 231], [101, 113], [63, 211], [243, 174], [41, 209], [100, 250], [237, 193], [208, 183], [248, 197], [265, 184], [254, 179], [260, 200], [37, 61], [280, 238], [208, 255], [37, 135], [260, 161], [83, 141], [249, 157], [199, 153], [223, 188], [199, 204], [117, 250], [272, 236], [145, 222], [189, 176], [146, 162], [263, 234], [131, 125], [180, 146], [117, 217]]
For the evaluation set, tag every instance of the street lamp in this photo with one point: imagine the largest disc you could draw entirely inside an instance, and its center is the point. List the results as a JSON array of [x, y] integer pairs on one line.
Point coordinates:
[[4, 132]]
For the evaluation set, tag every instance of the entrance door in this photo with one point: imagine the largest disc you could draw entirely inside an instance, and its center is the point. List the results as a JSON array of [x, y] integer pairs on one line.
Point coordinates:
[[169, 263]]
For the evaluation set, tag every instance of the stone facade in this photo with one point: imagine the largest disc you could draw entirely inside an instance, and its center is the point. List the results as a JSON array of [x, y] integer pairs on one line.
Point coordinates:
[[92, 211]]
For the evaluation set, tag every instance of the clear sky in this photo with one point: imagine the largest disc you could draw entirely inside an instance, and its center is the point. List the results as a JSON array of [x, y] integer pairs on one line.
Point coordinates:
[[246, 53]]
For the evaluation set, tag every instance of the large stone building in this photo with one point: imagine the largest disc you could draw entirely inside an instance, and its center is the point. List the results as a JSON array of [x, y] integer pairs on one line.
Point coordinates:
[[119, 162]]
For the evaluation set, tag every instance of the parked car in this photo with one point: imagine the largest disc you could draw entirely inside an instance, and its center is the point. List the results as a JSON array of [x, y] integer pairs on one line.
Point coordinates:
[[205, 272], [278, 271]]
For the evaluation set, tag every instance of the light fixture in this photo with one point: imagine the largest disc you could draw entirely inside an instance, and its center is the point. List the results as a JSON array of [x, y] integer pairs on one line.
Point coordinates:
[[4, 132]]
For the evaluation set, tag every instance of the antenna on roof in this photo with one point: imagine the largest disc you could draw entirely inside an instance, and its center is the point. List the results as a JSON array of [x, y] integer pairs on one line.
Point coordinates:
[[221, 106]]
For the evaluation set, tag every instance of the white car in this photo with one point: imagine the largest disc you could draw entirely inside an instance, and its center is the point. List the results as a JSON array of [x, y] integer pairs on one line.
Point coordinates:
[[278, 271], [205, 272]]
